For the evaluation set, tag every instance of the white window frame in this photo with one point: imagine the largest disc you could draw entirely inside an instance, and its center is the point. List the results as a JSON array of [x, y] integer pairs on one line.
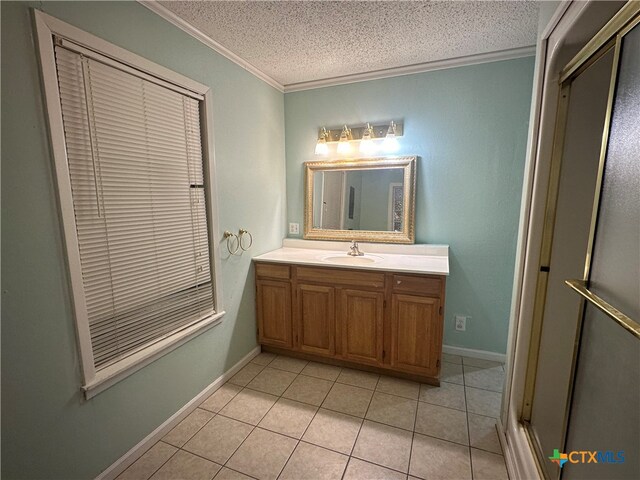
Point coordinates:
[[96, 381]]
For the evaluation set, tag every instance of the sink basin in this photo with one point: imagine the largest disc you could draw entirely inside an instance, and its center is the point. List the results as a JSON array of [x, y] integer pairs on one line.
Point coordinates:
[[349, 260]]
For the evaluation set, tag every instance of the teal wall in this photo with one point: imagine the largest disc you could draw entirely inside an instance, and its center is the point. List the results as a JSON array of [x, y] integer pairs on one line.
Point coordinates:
[[48, 430], [469, 127]]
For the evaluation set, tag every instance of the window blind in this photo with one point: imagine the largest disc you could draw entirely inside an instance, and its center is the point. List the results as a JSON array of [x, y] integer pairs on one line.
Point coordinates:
[[136, 170]]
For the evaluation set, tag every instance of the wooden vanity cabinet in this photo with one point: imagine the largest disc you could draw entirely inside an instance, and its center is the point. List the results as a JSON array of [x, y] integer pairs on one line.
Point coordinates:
[[416, 323], [273, 304], [380, 321], [415, 328], [315, 319], [360, 326]]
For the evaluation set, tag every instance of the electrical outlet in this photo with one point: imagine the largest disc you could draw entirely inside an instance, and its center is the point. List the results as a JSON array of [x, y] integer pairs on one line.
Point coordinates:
[[461, 323], [294, 229]]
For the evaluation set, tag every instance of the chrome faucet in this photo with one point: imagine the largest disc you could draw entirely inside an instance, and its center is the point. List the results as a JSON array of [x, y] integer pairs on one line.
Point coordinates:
[[354, 251]]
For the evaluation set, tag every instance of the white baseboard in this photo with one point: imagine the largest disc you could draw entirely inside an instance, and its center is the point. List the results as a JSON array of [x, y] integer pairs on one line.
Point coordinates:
[[470, 352], [146, 443]]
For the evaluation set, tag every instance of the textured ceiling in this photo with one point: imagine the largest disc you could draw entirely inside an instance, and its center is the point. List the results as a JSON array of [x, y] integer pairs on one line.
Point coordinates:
[[300, 41]]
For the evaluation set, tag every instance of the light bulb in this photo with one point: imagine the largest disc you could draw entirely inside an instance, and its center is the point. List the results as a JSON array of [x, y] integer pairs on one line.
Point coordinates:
[[321, 147], [390, 143], [367, 147], [366, 144], [344, 147]]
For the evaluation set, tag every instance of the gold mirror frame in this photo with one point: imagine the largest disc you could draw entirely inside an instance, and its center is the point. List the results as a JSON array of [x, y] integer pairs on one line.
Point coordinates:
[[407, 235]]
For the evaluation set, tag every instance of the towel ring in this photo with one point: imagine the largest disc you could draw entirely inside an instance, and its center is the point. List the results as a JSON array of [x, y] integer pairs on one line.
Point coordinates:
[[240, 235], [228, 235]]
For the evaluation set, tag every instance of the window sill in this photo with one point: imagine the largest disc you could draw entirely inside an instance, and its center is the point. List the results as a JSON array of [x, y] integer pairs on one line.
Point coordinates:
[[112, 374]]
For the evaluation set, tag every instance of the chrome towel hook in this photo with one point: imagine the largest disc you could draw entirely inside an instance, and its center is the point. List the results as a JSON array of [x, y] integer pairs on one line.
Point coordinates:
[[242, 232], [228, 235]]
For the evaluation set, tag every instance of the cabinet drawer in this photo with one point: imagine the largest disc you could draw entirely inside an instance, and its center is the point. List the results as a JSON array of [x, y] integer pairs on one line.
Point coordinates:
[[270, 270], [419, 285], [339, 276]]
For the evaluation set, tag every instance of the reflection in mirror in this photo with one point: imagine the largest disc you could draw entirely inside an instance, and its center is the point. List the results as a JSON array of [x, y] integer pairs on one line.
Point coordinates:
[[358, 199], [370, 199]]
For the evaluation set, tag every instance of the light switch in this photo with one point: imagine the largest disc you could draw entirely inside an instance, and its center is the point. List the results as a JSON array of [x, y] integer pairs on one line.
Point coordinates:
[[294, 229]]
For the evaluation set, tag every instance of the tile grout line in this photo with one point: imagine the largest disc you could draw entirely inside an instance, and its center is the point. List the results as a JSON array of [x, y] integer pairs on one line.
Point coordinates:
[[353, 447], [194, 433], [233, 470], [222, 465], [254, 426], [308, 425], [163, 463], [360, 429], [241, 443], [484, 389], [245, 438], [385, 424], [298, 440], [364, 418], [178, 449], [325, 448], [341, 453], [413, 434], [349, 457], [373, 390], [295, 448], [216, 463], [466, 402], [318, 407], [379, 465], [218, 412], [215, 414]]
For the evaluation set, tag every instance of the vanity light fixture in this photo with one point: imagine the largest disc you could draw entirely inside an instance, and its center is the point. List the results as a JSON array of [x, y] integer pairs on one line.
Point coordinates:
[[390, 143], [344, 147], [372, 137], [367, 146], [321, 147]]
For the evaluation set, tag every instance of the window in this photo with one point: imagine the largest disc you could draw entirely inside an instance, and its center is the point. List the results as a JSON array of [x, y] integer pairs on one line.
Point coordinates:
[[136, 202]]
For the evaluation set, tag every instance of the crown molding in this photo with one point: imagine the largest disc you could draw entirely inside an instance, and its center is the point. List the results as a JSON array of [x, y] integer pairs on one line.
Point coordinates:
[[182, 24], [171, 17], [416, 68]]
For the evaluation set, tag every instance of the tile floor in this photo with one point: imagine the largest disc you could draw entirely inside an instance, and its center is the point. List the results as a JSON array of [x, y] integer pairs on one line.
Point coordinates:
[[284, 418]]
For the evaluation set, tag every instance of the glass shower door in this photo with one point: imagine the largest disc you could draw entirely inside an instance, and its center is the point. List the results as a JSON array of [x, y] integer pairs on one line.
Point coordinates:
[[603, 437]]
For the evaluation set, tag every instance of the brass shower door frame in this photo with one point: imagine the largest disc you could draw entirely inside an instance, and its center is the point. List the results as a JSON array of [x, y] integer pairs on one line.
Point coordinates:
[[608, 38]]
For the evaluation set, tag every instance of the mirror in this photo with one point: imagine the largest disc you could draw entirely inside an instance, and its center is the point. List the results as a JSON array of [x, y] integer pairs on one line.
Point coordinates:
[[368, 199]]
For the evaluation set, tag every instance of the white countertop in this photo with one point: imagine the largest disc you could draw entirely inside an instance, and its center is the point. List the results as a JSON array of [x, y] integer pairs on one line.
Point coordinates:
[[426, 259]]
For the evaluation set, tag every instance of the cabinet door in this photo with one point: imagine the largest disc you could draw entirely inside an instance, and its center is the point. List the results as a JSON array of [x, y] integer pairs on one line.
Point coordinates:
[[316, 319], [274, 313], [416, 334], [361, 327]]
